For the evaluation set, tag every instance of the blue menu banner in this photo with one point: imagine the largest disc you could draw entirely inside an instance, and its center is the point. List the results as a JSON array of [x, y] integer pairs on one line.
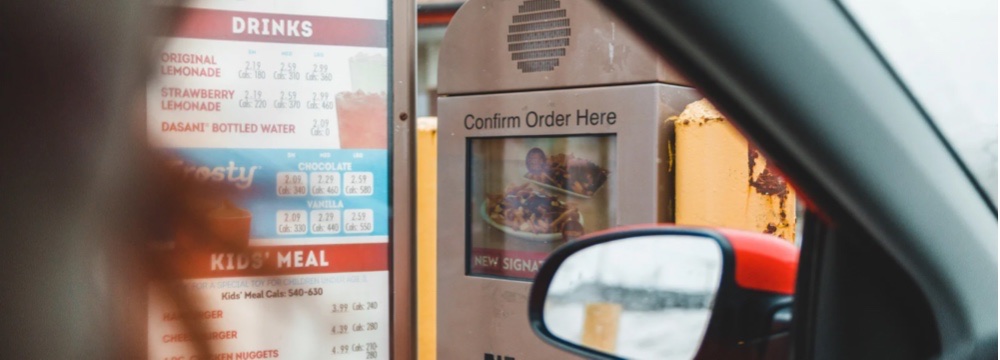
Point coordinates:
[[294, 194]]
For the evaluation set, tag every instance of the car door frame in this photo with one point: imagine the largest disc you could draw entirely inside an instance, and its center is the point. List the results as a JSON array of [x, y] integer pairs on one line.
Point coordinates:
[[805, 84]]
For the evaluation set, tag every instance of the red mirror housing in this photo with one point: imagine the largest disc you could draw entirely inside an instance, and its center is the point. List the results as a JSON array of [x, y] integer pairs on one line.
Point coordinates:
[[752, 308]]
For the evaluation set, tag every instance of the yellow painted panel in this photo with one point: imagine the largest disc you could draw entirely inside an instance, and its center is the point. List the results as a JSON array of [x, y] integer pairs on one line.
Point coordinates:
[[427, 238], [600, 326]]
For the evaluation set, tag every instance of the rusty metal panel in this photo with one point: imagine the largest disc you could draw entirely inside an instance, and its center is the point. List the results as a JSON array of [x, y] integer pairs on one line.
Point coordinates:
[[722, 180]]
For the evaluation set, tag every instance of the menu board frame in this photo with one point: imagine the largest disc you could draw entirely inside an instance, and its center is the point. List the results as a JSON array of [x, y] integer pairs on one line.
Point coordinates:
[[402, 167]]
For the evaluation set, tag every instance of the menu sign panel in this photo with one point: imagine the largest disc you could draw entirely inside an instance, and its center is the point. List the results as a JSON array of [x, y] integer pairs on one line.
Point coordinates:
[[286, 102]]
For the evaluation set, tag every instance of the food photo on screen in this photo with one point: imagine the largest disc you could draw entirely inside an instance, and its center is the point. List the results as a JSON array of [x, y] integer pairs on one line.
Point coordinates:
[[528, 212], [565, 172]]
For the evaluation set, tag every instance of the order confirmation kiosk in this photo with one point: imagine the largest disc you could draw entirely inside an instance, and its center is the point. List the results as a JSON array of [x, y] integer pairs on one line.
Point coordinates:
[[553, 123]]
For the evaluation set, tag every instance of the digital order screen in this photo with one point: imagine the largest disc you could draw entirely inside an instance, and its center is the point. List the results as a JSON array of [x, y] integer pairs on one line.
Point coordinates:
[[529, 195]]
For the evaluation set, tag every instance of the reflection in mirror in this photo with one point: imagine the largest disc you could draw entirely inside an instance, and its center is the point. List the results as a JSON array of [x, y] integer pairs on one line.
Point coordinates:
[[646, 297]]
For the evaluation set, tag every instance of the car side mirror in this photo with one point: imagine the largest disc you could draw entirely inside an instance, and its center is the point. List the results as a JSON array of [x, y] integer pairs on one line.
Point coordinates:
[[667, 292]]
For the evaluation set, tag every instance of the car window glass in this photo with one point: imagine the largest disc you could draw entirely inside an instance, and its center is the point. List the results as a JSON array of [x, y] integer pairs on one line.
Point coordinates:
[[946, 53]]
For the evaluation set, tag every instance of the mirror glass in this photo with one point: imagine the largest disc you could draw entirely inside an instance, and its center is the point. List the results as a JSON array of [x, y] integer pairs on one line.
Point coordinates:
[[646, 297]]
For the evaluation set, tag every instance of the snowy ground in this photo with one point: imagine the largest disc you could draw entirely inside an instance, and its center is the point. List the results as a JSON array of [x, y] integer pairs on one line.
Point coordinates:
[[664, 334]]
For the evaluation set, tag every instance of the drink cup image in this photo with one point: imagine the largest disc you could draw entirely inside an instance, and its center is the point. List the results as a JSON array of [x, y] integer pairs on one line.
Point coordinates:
[[363, 120], [369, 72], [362, 113]]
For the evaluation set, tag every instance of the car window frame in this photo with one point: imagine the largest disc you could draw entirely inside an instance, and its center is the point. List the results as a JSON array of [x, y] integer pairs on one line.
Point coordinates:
[[800, 81]]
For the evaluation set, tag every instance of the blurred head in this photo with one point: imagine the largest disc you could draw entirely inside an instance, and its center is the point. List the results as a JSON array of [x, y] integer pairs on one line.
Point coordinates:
[[83, 196]]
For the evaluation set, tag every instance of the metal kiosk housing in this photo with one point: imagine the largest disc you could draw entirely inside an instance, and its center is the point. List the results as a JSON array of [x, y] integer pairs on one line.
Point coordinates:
[[547, 56]]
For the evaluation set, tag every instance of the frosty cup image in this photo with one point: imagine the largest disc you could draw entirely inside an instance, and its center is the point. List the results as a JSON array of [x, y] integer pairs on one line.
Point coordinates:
[[230, 224], [362, 113]]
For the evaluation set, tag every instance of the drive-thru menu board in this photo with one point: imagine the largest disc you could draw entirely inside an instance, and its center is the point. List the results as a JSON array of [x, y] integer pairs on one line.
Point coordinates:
[[286, 102]]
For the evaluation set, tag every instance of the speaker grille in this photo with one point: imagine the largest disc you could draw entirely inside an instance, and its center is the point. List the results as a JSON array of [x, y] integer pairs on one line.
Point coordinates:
[[538, 36]]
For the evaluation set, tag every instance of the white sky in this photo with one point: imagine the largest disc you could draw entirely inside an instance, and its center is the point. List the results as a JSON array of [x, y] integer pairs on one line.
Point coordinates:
[[946, 53]]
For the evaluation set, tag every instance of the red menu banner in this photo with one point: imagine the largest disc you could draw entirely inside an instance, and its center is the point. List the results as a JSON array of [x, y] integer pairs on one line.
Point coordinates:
[[285, 260], [280, 28]]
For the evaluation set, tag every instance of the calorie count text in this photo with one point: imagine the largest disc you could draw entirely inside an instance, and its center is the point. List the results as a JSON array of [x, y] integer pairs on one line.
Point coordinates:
[[343, 329], [295, 222], [320, 72], [321, 127], [253, 99], [181, 64], [320, 100], [287, 70], [325, 184], [369, 349], [253, 70], [292, 222], [338, 308], [273, 293], [298, 292], [358, 221], [286, 100], [292, 184], [358, 184], [325, 221]]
